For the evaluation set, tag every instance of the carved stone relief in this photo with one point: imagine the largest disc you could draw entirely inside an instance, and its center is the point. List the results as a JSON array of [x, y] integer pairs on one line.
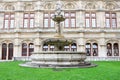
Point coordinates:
[[28, 7], [110, 6], [90, 6], [9, 7], [69, 6], [49, 5]]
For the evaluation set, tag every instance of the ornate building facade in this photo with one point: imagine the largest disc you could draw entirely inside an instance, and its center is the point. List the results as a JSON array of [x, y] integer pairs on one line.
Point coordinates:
[[94, 25]]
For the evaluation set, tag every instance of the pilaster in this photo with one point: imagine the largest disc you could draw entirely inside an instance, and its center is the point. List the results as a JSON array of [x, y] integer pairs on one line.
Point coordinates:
[[81, 43], [17, 48], [37, 43], [102, 46]]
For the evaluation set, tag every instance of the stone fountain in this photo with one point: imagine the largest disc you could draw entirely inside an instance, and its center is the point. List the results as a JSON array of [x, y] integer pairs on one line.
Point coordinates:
[[58, 58]]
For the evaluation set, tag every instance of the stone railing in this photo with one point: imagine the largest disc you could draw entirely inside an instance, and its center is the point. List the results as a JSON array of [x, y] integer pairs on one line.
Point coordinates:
[[103, 59]]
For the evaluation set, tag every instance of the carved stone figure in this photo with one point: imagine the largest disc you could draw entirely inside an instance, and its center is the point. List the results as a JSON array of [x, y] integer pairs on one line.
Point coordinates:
[[58, 8]]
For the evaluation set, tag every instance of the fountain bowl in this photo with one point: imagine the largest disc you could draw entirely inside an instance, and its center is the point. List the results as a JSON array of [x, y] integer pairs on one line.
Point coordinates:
[[59, 59]]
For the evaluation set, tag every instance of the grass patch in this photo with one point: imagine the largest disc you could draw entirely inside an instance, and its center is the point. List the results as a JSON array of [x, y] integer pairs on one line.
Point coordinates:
[[104, 71]]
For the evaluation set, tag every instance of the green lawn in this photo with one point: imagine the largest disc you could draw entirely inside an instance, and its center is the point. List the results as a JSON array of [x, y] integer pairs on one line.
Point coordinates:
[[104, 71]]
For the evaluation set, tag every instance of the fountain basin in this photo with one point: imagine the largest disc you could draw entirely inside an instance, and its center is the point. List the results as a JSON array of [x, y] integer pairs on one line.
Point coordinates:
[[58, 57]]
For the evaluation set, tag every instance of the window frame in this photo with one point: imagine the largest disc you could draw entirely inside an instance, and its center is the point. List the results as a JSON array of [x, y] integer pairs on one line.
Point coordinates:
[[28, 19], [110, 18], [9, 18], [69, 18], [90, 18], [49, 18]]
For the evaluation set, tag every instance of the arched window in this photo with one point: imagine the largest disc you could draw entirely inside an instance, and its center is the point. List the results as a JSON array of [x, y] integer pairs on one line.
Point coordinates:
[[24, 49], [74, 47], [31, 48], [4, 51], [95, 49], [116, 49], [45, 47], [10, 51], [88, 49], [109, 49]]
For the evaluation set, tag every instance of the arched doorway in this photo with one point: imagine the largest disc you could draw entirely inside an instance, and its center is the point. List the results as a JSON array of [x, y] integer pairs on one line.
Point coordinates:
[[31, 48], [109, 49], [73, 47], [24, 49], [116, 49], [4, 51], [10, 51], [88, 49]]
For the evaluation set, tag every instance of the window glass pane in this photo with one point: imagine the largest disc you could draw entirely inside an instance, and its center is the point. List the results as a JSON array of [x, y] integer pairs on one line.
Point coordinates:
[[52, 14], [45, 46], [113, 22], [73, 47], [72, 14], [11, 23], [24, 45], [66, 47], [32, 15], [93, 23], [66, 14], [6, 24], [87, 15], [107, 23], [52, 23], [31, 23], [88, 46], [113, 15], [25, 23], [45, 22], [31, 46], [6, 16], [26, 15], [87, 23], [67, 23], [12, 16], [107, 15], [52, 46], [94, 46], [46, 15], [72, 22]]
